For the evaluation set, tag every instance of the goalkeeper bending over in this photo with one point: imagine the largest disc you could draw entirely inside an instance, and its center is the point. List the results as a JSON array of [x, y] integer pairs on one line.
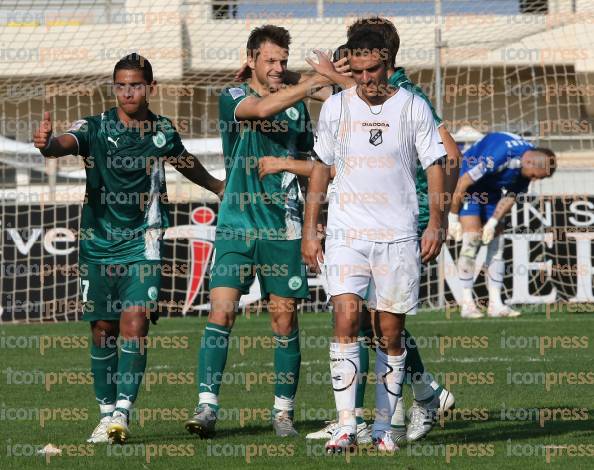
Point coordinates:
[[495, 170]]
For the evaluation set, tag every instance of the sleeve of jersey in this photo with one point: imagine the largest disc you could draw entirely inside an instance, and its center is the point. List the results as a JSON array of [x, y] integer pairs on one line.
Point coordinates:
[[419, 92], [228, 102], [489, 162], [427, 142], [306, 139], [325, 133], [177, 147], [83, 131]]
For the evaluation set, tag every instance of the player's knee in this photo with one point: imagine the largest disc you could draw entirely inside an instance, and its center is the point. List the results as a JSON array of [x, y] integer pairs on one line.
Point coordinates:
[[104, 332], [346, 324], [283, 325], [221, 316], [134, 322], [495, 250], [134, 330], [471, 242]]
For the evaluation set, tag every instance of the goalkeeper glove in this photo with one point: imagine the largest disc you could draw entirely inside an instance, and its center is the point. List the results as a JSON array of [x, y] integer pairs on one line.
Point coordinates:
[[489, 230], [454, 227]]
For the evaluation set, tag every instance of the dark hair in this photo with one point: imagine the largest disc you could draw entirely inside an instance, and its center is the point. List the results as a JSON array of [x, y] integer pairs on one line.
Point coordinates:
[[382, 26], [340, 53], [551, 163], [363, 43], [267, 33], [135, 61]]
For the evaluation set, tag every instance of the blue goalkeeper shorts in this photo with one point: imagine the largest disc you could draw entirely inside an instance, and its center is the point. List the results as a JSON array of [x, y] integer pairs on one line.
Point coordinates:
[[481, 204]]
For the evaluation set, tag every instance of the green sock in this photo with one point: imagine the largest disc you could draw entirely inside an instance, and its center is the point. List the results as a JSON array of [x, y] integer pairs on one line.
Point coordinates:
[[364, 343], [211, 363], [287, 362], [104, 363], [131, 367]]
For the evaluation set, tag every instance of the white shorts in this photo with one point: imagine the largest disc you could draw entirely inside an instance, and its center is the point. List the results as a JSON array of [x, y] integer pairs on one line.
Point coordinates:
[[386, 274]]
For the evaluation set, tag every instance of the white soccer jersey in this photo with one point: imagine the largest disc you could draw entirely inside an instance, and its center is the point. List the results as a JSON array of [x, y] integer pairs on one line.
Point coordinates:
[[375, 151]]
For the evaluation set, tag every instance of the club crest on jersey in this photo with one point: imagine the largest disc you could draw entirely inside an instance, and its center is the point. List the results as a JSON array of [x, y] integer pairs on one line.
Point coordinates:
[[375, 137], [159, 139], [153, 293], [295, 283], [292, 113]]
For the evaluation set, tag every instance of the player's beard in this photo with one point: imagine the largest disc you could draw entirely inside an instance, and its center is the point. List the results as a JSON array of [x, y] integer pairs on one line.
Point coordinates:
[[274, 83]]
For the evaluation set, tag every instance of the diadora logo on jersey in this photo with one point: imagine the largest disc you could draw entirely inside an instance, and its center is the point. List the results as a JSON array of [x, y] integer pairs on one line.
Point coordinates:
[[375, 124], [113, 141], [375, 137], [295, 283], [159, 139], [292, 113]]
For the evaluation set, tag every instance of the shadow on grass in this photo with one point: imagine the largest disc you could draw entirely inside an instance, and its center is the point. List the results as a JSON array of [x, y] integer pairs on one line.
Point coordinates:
[[496, 429], [222, 433]]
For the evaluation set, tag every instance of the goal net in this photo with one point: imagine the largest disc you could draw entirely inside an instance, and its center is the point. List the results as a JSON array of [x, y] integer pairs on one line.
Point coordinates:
[[507, 65]]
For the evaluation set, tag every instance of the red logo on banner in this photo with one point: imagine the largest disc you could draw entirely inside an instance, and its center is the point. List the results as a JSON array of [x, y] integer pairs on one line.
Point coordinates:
[[200, 251]]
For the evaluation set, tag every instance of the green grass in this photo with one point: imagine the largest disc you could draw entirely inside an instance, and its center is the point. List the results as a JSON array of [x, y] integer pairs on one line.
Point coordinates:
[[479, 431]]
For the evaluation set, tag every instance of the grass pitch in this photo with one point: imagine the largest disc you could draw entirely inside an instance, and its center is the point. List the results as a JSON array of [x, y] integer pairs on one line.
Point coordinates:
[[523, 387]]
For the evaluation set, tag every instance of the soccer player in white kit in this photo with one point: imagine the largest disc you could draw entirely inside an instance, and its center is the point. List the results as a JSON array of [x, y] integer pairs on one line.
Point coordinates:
[[373, 134]]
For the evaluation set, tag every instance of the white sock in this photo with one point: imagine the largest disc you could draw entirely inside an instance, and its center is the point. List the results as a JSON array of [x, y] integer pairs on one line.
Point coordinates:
[[495, 271], [389, 372], [398, 418], [107, 409], [421, 387], [284, 403], [208, 398], [467, 298], [344, 369], [123, 404], [471, 243], [495, 282]]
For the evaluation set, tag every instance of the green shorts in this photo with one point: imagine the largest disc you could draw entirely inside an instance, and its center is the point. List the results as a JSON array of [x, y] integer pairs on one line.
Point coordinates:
[[277, 263], [109, 289]]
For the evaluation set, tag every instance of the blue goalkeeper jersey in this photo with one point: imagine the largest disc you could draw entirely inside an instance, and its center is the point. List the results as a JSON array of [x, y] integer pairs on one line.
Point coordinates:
[[494, 163]]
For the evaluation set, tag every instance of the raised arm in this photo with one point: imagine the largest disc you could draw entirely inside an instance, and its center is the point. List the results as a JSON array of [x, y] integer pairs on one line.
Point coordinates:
[[53, 147], [254, 107]]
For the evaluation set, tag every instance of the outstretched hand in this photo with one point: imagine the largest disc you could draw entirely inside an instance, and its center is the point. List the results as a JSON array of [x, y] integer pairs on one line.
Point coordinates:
[[324, 65]]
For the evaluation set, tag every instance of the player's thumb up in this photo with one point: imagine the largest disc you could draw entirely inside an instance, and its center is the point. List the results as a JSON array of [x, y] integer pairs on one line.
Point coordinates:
[[46, 124], [42, 136]]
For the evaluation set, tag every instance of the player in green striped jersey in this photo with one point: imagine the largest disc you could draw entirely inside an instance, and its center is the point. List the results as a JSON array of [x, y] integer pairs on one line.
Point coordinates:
[[259, 224], [123, 220]]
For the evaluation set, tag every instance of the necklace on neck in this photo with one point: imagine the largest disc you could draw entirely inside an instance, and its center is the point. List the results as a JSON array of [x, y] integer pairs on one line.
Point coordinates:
[[369, 106]]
